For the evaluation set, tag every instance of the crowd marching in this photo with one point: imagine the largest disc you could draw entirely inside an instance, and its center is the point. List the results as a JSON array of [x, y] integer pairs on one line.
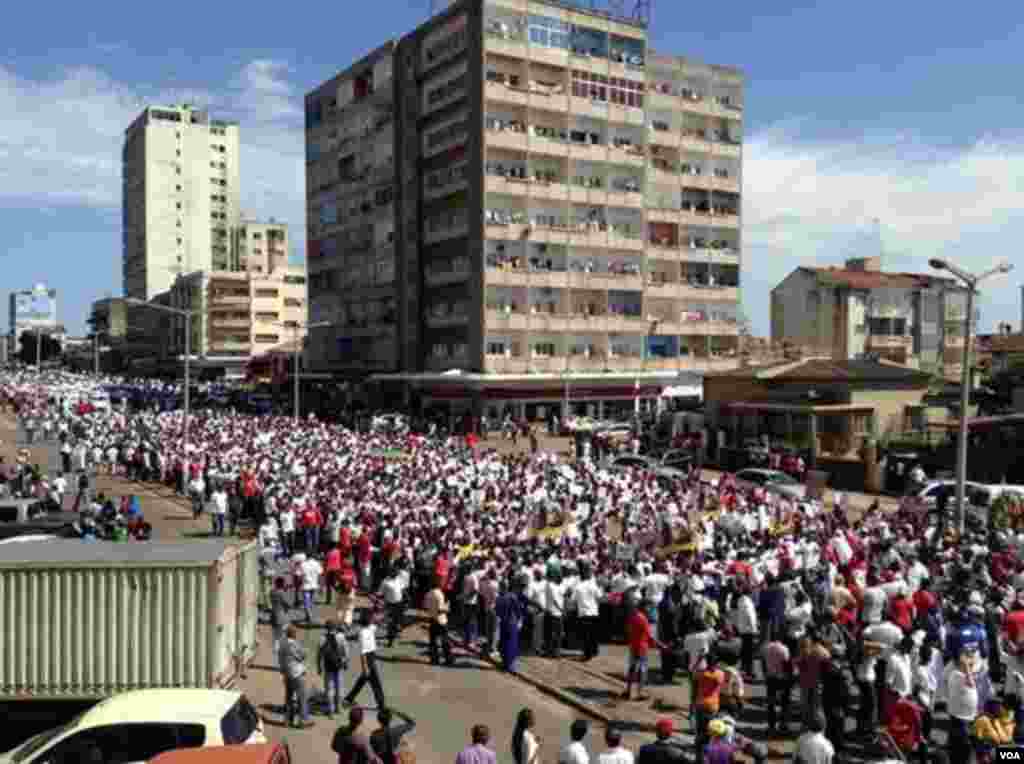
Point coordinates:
[[863, 632]]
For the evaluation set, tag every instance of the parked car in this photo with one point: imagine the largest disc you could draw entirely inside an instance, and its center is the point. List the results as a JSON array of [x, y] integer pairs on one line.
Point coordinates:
[[134, 727], [677, 459], [634, 461], [395, 424], [979, 496], [772, 480], [266, 753]]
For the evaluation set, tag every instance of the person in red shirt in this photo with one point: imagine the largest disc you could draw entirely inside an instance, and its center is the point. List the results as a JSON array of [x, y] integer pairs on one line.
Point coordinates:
[[311, 522], [332, 571], [904, 726], [345, 542], [442, 569], [641, 638], [902, 611]]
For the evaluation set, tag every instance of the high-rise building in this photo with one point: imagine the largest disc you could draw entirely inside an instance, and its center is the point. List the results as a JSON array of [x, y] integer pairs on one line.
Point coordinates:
[[525, 191], [180, 197], [33, 310]]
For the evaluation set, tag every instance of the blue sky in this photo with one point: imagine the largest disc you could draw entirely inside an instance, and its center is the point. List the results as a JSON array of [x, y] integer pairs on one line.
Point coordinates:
[[906, 112]]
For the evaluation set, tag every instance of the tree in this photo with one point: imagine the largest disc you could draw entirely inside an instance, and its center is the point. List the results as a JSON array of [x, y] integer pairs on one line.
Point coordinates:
[[49, 349]]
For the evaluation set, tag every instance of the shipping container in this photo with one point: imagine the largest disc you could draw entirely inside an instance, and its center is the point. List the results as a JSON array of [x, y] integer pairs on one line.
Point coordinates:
[[85, 620]]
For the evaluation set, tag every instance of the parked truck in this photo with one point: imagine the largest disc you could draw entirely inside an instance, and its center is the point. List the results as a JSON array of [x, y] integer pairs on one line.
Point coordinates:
[[81, 621]]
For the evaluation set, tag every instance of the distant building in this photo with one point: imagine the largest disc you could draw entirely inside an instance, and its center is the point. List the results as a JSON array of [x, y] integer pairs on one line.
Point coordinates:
[[860, 311], [33, 310], [180, 197]]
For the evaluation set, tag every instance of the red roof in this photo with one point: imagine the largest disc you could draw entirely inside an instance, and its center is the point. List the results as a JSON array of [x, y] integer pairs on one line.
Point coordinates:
[[875, 279]]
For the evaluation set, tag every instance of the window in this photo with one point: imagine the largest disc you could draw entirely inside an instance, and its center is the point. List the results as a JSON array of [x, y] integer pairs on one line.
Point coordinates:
[[177, 188], [598, 87], [178, 205], [295, 280], [266, 338], [266, 293], [548, 32]]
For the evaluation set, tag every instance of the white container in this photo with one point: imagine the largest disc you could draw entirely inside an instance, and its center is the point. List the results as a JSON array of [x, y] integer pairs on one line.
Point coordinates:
[[85, 620]]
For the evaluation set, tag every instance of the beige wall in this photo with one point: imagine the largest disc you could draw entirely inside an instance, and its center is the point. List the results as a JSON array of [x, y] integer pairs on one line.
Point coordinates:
[[889, 406]]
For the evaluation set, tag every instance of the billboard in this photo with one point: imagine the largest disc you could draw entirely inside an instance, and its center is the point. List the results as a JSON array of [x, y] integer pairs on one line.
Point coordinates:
[[36, 307]]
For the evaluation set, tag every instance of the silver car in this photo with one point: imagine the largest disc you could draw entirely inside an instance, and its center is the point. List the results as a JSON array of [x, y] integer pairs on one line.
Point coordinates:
[[772, 480]]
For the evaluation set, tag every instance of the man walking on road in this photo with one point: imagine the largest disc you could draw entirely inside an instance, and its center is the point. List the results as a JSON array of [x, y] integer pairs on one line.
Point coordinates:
[[368, 656]]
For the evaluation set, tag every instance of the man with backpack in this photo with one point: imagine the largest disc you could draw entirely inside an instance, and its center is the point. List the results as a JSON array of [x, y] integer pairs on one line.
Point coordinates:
[[331, 662]]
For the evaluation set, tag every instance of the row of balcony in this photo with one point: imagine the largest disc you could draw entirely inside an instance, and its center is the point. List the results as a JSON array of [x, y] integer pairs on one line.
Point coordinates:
[[551, 144], [682, 289], [520, 364], [592, 190], [500, 318]]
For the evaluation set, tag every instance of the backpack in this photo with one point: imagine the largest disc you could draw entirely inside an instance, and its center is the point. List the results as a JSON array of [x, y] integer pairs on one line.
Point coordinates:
[[334, 659]]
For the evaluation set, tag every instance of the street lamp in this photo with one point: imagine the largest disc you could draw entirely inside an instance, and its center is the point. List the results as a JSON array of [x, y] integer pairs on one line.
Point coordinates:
[[295, 326], [188, 348], [970, 281]]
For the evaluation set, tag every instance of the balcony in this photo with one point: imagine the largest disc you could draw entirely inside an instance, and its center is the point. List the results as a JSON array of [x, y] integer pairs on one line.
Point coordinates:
[[625, 239], [668, 289], [726, 148], [506, 320], [584, 235], [229, 323], [220, 300], [630, 199], [606, 280], [500, 184], [617, 322], [547, 234], [216, 346], [584, 107], [627, 154], [588, 152], [502, 93], [662, 215], [625, 362], [501, 39], [506, 364], [526, 277], [513, 140]]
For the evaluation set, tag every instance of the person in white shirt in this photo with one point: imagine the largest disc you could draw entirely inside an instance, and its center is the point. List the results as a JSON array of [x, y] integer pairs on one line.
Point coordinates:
[[875, 600], [962, 703], [587, 597], [575, 752], [813, 747], [393, 593], [554, 614], [615, 754], [311, 571], [219, 502], [899, 677], [287, 520], [747, 627], [60, 487]]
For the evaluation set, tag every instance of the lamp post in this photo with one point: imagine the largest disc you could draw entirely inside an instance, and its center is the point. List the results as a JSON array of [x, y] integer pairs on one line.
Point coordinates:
[[970, 281], [188, 349], [295, 326]]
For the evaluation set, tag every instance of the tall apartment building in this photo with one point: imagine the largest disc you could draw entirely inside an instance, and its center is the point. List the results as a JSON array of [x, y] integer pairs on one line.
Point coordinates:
[[180, 197], [858, 310], [525, 191]]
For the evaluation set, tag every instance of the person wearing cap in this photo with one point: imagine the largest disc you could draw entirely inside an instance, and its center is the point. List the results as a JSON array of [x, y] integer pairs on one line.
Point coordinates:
[[663, 750], [719, 749], [575, 752]]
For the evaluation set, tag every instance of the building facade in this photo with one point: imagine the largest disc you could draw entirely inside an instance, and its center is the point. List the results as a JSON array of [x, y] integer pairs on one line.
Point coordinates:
[[520, 188], [33, 310], [860, 311], [236, 315], [180, 197]]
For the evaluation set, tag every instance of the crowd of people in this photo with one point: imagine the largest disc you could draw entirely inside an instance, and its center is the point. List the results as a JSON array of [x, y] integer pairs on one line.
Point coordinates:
[[884, 633]]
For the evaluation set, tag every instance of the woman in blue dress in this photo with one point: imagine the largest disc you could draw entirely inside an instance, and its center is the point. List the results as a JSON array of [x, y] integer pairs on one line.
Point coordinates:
[[510, 609]]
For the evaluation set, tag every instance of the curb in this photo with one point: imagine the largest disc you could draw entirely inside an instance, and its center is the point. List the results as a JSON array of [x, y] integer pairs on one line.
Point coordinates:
[[548, 689]]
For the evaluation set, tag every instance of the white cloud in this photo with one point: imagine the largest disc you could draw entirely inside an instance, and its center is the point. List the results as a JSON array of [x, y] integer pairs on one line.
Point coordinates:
[[809, 201], [60, 139], [806, 199]]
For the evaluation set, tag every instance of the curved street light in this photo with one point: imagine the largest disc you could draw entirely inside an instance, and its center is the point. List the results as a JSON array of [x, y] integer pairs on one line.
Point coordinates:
[[970, 282]]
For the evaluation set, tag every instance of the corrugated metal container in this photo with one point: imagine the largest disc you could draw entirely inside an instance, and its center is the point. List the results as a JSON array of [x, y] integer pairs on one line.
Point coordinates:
[[82, 620]]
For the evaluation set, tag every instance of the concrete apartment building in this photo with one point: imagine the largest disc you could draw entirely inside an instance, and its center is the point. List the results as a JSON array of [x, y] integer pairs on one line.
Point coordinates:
[[180, 197], [241, 314], [859, 310], [526, 192]]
